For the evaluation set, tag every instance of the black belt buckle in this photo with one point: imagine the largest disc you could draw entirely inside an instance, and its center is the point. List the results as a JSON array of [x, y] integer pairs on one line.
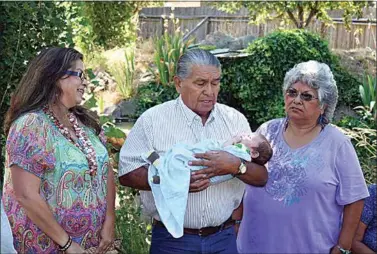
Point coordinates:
[[200, 233]]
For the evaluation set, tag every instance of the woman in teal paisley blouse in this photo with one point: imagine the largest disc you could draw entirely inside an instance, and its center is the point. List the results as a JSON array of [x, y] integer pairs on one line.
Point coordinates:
[[59, 187]]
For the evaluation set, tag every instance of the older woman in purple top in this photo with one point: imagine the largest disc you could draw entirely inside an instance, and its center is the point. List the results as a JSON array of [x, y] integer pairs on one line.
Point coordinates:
[[313, 199]]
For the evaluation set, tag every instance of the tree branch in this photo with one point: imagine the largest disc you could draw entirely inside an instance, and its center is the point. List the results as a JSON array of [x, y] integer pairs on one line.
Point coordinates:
[[290, 14], [313, 12], [300, 15], [292, 17]]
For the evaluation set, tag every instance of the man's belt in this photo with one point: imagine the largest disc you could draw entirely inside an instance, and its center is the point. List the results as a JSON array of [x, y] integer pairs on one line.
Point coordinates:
[[202, 231]]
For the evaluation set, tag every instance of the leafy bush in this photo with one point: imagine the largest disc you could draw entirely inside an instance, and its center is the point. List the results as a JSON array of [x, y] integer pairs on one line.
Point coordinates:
[[253, 84], [104, 24], [26, 28], [152, 94], [133, 230], [362, 132]]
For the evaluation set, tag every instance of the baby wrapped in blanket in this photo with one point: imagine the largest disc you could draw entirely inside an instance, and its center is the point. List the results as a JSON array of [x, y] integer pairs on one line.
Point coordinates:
[[169, 175]]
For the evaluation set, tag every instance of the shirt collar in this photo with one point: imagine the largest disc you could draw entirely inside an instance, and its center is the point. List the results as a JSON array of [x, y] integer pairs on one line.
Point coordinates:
[[191, 116]]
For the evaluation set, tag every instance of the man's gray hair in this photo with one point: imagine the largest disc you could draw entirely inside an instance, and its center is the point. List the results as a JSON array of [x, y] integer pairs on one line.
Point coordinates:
[[195, 57], [319, 77]]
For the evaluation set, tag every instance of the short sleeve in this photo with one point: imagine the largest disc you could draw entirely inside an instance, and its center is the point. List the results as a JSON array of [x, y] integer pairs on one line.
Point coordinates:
[[27, 145], [271, 129], [369, 211], [139, 142], [262, 129], [351, 183], [244, 125]]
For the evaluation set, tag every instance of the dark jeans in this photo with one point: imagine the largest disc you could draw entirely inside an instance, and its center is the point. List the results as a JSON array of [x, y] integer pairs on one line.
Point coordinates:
[[222, 242]]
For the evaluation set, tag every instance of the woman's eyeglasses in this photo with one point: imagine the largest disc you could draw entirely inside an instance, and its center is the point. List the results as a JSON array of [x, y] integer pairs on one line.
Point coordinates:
[[79, 74], [293, 93]]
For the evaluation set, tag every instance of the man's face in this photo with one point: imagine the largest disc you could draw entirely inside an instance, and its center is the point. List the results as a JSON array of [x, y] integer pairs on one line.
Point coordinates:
[[199, 91]]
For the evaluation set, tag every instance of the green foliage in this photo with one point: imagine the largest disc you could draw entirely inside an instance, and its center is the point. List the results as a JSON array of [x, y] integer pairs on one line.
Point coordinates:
[[248, 81], [168, 49], [258, 77], [26, 28], [362, 131], [134, 231], [152, 94], [368, 94], [207, 47], [124, 72], [299, 13], [104, 24], [347, 86]]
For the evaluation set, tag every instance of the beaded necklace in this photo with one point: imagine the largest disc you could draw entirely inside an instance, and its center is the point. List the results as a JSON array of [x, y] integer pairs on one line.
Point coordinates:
[[86, 146]]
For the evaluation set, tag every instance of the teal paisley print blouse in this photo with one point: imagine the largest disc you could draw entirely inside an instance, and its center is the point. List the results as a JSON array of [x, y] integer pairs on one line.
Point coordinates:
[[76, 200]]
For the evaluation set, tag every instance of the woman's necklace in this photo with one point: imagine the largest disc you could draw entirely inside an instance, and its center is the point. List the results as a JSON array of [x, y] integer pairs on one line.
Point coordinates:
[[86, 146]]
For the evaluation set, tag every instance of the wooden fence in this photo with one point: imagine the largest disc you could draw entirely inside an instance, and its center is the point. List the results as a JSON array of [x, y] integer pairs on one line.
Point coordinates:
[[151, 21]]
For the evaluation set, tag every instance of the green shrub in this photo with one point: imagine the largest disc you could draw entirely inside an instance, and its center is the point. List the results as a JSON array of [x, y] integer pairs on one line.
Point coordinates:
[[152, 94], [130, 227], [26, 28], [362, 132], [253, 84]]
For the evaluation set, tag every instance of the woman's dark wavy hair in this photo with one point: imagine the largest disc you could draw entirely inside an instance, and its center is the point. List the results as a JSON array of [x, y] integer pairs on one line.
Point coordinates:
[[38, 87]]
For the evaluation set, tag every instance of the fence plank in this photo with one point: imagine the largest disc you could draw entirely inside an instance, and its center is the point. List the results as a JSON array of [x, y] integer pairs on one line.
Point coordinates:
[[236, 25]]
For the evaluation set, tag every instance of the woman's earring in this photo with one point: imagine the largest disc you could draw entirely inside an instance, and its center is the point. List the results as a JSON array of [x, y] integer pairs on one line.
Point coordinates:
[[322, 121], [286, 123]]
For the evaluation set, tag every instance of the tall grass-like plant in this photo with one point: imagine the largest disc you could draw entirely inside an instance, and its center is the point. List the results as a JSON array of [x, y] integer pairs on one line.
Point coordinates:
[[368, 94], [168, 49], [365, 140], [124, 72]]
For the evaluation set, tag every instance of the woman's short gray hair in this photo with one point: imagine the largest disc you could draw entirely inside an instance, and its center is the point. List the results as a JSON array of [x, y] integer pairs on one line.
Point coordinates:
[[195, 57], [319, 77]]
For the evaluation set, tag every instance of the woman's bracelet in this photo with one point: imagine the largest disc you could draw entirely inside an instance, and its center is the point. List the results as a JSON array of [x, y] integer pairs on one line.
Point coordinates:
[[67, 245], [343, 251], [237, 221]]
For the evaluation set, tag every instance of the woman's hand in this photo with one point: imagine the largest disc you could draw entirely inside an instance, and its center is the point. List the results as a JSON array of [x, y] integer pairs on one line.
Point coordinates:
[[107, 235], [74, 248], [216, 163]]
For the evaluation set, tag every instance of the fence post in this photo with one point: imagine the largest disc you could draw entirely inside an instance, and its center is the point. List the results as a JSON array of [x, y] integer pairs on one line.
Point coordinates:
[[185, 37], [162, 26]]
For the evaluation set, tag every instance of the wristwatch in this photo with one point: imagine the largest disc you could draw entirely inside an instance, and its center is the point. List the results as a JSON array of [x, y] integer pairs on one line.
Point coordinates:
[[242, 168]]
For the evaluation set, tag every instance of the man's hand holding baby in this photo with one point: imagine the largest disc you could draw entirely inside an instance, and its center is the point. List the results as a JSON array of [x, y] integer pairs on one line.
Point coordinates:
[[216, 163]]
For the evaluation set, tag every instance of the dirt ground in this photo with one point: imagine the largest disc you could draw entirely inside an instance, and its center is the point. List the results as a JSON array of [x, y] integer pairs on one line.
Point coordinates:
[[358, 61]]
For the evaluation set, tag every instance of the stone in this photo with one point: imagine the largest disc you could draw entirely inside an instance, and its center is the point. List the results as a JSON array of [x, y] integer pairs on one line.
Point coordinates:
[[124, 111], [218, 39], [246, 40], [235, 45], [342, 111]]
